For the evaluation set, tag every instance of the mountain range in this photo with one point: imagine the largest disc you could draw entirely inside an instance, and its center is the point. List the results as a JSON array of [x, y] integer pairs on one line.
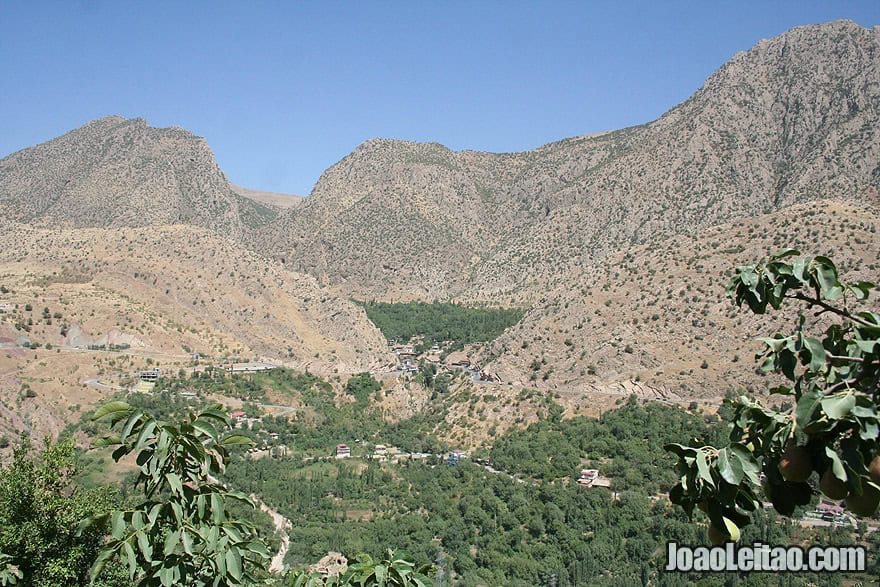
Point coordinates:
[[617, 244]]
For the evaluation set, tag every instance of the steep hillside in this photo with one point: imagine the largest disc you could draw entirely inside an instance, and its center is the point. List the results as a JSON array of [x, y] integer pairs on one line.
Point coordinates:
[[192, 282], [156, 295], [655, 321], [794, 119], [405, 220], [116, 172]]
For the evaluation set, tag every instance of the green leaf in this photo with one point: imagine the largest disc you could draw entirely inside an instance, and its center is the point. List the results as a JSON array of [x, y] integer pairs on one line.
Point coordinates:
[[213, 537], [776, 343], [117, 524], [107, 441], [787, 252], [703, 469], [869, 431], [100, 562], [186, 539], [206, 428], [836, 466], [806, 406], [175, 483], [780, 390], [380, 571], [747, 462], [748, 276], [138, 520], [236, 439], [166, 576], [867, 346], [119, 453], [217, 508], [220, 561], [145, 433], [730, 467], [233, 563], [799, 268], [862, 289], [233, 533], [144, 545], [787, 363], [154, 513], [259, 548], [826, 276], [131, 558], [839, 405], [112, 412], [818, 356], [178, 512], [216, 412], [133, 421], [680, 449], [171, 542]]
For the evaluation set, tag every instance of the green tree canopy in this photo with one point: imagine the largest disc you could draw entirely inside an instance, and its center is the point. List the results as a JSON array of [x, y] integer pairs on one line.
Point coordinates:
[[39, 511]]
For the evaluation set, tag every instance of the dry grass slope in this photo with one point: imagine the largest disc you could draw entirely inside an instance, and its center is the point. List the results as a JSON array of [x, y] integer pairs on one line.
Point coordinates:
[[655, 321]]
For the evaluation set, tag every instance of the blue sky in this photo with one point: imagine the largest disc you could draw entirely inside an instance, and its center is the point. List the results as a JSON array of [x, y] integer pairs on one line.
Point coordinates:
[[282, 90]]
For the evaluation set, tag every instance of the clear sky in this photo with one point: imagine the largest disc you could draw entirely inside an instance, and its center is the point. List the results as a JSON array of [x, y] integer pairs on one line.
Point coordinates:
[[282, 90]]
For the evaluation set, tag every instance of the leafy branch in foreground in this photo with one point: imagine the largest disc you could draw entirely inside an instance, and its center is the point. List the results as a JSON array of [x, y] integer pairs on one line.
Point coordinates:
[[182, 534], [10, 574], [366, 572], [832, 428]]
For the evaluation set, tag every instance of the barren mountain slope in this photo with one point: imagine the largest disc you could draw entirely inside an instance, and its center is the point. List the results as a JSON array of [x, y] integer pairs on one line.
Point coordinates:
[[794, 119], [193, 281], [405, 220], [116, 172], [654, 320]]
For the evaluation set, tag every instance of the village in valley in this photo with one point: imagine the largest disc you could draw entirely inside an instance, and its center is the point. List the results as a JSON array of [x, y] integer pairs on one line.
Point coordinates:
[[412, 354], [412, 358]]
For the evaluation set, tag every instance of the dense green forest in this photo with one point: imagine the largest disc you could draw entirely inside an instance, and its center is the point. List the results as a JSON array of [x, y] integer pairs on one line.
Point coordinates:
[[621, 443], [488, 528], [438, 322]]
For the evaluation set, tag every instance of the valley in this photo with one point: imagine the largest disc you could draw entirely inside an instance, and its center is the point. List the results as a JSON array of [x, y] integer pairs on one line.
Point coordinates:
[[542, 312]]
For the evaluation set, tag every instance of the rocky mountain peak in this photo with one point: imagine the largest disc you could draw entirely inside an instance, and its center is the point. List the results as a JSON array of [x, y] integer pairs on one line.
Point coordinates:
[[115, 172], [792, 120]]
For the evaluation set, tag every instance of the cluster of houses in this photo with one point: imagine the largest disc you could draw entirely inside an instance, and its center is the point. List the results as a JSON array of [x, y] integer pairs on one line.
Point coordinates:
[[408, 359], [591, 478], [833, 513], [453, 458], [241, 421], [150, 375], [393, 454]]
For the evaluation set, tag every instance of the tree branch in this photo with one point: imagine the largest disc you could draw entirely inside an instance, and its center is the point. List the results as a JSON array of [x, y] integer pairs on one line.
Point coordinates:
[[850, 359], [829, 308]]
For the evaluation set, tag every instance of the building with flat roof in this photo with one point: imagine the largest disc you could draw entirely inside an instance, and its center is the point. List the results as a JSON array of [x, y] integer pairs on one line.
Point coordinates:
[[150, 375]]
